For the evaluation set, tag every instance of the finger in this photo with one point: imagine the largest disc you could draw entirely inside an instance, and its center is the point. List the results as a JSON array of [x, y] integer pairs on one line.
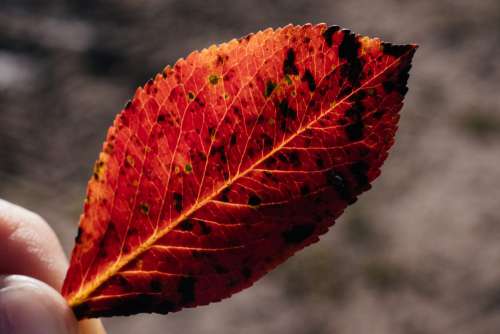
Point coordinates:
[[30, 247], [29, 306], [90, 326]]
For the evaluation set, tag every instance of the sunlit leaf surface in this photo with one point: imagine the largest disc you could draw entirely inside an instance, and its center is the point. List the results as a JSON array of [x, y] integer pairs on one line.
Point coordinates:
[[227, 163]]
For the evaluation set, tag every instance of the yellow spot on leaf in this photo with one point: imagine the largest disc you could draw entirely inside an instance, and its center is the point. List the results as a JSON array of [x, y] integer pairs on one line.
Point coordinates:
[[213, 79], [99, 168], [130, 160], [144, 207], [369, 44]]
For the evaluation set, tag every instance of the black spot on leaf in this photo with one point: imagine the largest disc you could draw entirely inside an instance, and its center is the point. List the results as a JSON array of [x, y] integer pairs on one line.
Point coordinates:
[[308, 77], [204, 228], [233, 139], [165, 306], [186, 225], [220, 269], [378, 115], [186, 289], [254, 200], [246, 272], [298, 233], [178, 202], [354, 131], [270, 86], [359, 96], [395, 50], [348, 50], [271, 161], [388, 86], [338, 183], [304, 190], [289, 66], [359, 170], [224, 196], [221, 151], [267, 140], [328, 34], [294, 158], [132, 232], [78, 238], [286, 111], [128, 105], [155, 285]]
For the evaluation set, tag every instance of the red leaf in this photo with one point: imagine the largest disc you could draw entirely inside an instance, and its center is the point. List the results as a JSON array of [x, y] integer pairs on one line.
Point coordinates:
[[223, 166]]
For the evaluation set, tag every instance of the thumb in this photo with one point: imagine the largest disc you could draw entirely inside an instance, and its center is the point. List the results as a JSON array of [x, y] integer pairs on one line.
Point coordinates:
[[29, 306]]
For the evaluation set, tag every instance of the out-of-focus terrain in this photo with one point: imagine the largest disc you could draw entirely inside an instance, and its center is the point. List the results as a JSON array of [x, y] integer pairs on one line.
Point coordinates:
[[419, 253]]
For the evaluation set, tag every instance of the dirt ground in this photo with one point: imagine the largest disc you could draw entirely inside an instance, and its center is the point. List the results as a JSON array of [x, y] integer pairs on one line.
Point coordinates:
[[417, 254]]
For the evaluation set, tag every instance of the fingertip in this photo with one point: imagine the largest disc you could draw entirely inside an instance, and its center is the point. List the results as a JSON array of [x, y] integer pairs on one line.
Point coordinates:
[[31, 306], [30, 245]]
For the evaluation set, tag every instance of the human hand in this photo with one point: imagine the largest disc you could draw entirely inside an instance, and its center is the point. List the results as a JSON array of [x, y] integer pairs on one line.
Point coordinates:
[[32, 268]]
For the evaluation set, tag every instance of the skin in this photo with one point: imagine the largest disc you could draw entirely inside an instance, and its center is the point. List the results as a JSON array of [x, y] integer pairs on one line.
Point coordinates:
[[32, 269]]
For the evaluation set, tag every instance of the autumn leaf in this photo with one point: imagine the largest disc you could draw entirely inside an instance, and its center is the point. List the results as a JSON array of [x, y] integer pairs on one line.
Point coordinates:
[[227, 163]]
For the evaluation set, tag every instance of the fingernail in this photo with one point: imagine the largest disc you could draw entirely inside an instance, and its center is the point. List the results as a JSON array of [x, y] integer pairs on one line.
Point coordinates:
[[28, 306]]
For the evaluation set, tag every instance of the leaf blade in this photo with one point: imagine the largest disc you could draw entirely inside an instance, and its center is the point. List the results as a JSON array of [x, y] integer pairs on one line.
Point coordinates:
[[246, 125]]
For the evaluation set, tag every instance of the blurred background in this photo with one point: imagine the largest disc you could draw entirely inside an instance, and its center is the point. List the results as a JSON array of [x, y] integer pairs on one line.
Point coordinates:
[[419, 253]]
